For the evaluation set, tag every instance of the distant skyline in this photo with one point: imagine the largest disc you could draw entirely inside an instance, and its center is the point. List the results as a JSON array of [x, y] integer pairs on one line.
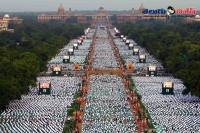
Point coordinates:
[[52, 5]]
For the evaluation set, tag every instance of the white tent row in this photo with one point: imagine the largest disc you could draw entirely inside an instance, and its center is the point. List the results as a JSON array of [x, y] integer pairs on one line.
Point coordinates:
[[170, 113], [41, 113], [78, 57], [128, 56]]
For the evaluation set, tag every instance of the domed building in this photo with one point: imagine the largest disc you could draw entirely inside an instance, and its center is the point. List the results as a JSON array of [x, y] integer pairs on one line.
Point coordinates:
[[60, 15], [139, 16], [61, 10], [4, 21], [197, 18], [101, 10], [6, 16], [140, 9], [14, 19], [192, 19], [101, 18]]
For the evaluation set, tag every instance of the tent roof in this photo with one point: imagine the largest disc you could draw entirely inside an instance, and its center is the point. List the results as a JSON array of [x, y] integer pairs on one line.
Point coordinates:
[[101, 26]]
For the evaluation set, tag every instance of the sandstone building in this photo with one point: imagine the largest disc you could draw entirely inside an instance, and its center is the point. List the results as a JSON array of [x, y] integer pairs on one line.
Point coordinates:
[[100, 18], [4, 21]]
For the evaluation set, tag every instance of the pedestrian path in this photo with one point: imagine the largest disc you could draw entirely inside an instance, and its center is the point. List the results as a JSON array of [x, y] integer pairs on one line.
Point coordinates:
[[107, 108]]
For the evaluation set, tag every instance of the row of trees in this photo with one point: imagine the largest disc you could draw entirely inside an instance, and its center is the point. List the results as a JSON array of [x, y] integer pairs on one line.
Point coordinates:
[[177, 47], [25, 53]]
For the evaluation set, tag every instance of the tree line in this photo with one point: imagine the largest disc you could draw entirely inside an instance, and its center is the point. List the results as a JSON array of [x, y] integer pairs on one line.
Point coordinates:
[[177, 47], [25, 53]]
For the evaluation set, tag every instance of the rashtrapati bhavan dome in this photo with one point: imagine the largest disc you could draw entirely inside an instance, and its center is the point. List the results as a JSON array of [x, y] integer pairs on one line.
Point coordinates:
[[60, 16], [100, 17]]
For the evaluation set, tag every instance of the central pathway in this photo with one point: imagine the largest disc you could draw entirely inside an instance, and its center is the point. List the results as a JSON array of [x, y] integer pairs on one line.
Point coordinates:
[[106, 108]]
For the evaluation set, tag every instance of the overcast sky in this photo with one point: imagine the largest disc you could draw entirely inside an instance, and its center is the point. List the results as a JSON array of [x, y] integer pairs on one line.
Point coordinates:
[[52, 5]]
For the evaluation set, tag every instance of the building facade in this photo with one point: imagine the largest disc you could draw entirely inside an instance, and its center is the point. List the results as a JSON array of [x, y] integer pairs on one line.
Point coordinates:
[[100, 18], [60, 16], [4, 21], [3, 24], [134, 17], [192, 19]]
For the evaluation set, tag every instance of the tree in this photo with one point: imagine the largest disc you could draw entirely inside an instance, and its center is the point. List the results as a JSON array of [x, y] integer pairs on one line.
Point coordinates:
[[192, 83], [25, 53], [45, 51], [72, 19], [58, 41], [177, 46], [113, 17]]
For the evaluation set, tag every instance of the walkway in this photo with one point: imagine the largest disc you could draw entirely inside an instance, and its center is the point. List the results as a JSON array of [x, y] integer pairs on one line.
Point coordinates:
[[103, 71]]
